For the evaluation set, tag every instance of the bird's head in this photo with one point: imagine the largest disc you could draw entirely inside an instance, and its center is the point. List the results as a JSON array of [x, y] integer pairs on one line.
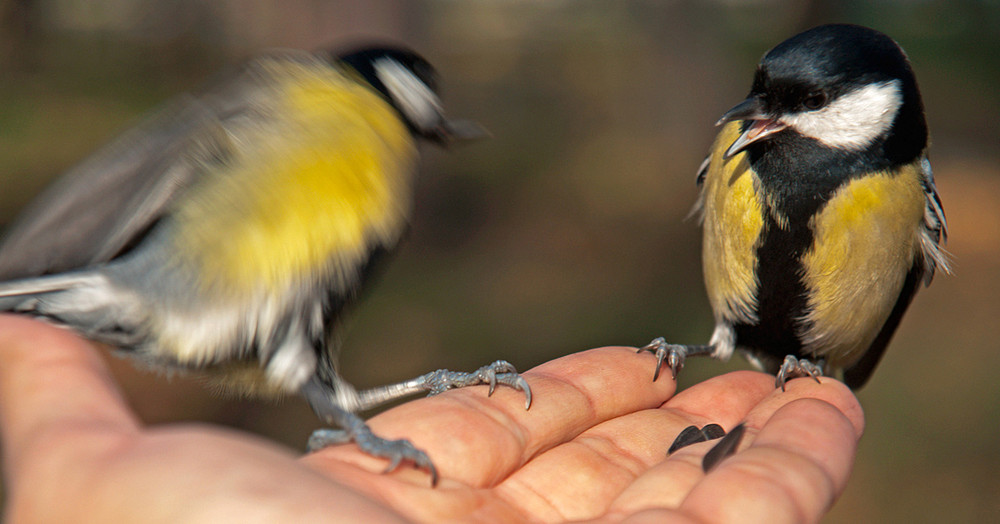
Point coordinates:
[[409, 84], [845, 86]]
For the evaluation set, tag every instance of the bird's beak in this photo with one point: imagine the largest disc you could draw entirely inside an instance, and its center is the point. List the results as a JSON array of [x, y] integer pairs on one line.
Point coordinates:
[[451, 131], [762, 125]]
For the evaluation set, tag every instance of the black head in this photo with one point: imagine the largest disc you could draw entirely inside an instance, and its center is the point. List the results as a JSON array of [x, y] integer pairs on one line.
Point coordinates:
[[363, 61], [845, 86], [409, 84]]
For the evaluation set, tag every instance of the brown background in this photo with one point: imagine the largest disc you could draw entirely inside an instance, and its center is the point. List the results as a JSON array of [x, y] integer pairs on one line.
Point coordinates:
[[566, 230]]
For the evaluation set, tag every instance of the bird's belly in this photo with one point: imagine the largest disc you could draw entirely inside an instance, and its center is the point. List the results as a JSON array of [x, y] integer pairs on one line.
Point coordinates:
[[865, 241]]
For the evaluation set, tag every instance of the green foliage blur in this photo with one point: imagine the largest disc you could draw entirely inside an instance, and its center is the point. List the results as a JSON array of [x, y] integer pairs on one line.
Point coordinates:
[[567, 230]]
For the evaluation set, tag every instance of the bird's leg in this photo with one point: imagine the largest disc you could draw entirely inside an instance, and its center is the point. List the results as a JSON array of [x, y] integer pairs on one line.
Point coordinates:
[[674, 354], [337, 404], [435, 382], [797, 367], [336, 409]]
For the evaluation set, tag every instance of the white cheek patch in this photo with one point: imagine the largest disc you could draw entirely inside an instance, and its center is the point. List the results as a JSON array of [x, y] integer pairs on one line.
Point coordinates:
[[854, 120], [413, 97]]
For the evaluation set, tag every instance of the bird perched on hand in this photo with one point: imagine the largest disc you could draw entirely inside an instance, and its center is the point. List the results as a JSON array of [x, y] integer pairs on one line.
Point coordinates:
[[229, 232], [819, 209]]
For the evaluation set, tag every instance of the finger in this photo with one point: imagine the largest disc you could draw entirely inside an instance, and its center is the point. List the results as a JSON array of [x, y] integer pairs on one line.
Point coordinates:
[[828, 390], [750, 397], [581, 478], [51, 380], [725, 400], [480, 440], [799, 463], [578, 480], [671, 484]]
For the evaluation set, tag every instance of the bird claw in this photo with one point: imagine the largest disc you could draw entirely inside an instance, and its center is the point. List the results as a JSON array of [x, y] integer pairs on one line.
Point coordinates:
[[499, 372], [673, 354], [396, 451], [797, 367]]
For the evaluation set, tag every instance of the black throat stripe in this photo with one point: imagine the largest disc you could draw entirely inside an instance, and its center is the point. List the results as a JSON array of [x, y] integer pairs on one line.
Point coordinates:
[[797, 176], [781, 296]]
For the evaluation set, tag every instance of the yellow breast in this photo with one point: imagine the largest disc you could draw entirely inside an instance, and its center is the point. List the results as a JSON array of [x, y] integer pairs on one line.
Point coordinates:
[[733, 219], [865, 241], [311, 187]]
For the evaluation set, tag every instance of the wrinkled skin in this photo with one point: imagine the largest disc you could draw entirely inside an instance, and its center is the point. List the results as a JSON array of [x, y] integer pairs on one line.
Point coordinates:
[[592, 447]]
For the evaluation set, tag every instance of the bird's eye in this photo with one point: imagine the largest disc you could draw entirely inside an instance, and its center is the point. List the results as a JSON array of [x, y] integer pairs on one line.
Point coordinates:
[[815, 101]]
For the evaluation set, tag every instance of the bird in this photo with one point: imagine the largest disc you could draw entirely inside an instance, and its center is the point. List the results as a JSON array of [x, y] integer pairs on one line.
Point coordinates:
[[819, 210], [229, 232]]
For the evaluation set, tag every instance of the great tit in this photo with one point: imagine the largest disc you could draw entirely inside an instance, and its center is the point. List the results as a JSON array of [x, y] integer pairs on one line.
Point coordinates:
[[229, 232], [819, 210]]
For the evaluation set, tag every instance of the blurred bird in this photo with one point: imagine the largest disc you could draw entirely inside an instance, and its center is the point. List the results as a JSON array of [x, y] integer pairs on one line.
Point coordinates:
[[819, 209], [229, 232]]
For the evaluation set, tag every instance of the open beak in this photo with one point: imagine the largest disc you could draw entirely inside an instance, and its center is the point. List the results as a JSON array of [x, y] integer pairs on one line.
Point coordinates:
[[761, 126]]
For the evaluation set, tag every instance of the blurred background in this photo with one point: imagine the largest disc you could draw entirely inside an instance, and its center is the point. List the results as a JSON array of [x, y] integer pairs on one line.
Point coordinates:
[[566, 231]]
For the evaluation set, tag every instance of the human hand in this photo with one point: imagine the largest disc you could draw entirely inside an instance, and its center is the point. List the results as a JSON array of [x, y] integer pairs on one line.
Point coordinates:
[[592, 446]]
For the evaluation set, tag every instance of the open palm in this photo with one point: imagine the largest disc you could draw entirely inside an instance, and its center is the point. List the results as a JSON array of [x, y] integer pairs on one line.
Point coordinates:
[[592, 447]]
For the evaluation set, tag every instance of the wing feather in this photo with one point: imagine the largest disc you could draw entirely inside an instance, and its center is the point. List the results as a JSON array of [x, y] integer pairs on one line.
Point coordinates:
[[106, 204], [935, 228]]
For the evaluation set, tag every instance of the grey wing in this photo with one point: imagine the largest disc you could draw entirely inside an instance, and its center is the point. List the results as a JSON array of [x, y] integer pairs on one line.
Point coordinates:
[[935, 228], [104, 205], [95, 209], [933, 232], [698, 209]]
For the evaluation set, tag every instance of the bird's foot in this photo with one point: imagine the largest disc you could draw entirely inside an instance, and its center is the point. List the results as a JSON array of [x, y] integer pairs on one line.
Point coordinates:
[[673, 354], [797, 367], [396, 451], [499, 372]]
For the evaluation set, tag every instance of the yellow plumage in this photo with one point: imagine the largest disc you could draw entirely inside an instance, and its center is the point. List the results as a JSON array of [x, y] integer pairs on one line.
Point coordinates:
[[326, 178], [854, 279], [229, 232], [732, 221], [820, 213], [865, 240]]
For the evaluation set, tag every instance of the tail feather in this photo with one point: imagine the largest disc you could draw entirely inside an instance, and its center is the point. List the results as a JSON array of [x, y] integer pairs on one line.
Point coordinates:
[[15, 294], [86, 301]]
